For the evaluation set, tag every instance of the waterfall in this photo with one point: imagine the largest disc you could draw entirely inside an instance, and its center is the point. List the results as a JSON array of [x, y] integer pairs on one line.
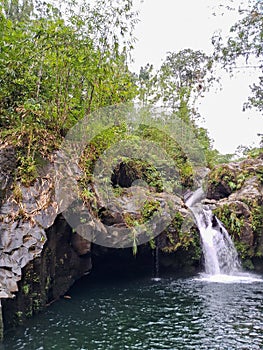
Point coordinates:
[[156, 263], [219, 251]]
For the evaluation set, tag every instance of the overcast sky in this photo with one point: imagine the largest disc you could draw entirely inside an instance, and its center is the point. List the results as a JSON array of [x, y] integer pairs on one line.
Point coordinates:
[[173, 25]]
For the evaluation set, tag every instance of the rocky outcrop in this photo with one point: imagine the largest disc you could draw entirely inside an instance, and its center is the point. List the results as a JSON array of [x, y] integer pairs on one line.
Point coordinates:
[[24, 216], [7, 166], [178, 243], [49, 275], [40, 256], [235, 191]]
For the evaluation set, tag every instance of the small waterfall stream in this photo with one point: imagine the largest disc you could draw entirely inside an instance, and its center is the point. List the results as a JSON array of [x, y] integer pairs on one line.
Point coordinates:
[[156, 263], [219, 251], [156, 272]]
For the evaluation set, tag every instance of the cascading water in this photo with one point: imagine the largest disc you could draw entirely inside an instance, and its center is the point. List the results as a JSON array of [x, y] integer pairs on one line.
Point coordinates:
[[219, 251], [156, 263]]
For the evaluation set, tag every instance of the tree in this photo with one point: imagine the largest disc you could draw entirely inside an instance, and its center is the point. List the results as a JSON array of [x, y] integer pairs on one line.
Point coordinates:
[[183, 77], [55, 69], [245, 42], [16, 10], [147, 85], [61, 68]]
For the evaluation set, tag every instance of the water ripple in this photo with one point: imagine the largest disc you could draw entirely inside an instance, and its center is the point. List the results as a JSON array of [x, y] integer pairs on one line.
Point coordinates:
[[190, 313]]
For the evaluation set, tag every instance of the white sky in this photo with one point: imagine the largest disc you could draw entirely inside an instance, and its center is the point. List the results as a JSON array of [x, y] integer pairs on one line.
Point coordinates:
[[173, 25]]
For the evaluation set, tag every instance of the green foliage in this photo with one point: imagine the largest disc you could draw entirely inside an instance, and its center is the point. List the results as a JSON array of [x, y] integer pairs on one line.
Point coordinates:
[[230, 219], [149, 208], [173, 149], [51, 77], [178, 239], [231, 180], [27, 171], [212, 156], [55, 68], [100, 143], [235, 223], [18, 10], [257, 226], [182, 78], [223, 174], [244, 252], [245, 41], [26, 289], [248, 264], [157, 176], [254, 152], [147, 85]]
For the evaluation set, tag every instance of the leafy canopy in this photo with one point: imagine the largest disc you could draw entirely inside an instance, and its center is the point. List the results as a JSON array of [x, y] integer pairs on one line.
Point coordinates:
[[245, 42]]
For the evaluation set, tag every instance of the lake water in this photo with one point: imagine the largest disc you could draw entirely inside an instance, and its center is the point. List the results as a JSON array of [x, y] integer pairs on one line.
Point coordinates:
[[136, 312]]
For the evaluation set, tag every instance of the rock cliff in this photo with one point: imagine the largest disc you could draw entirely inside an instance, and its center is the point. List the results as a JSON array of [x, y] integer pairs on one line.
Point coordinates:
[[235, 191], [41, 256]]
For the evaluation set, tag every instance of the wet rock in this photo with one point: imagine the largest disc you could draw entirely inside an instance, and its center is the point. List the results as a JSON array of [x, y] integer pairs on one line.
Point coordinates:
[[240, 207], [80, 244], [7, 166], [251, 189], [1, 318], [47, 276], [40, 258]]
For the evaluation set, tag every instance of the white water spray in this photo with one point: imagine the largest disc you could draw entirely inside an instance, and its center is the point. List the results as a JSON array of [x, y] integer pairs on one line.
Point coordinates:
[[220, 255]]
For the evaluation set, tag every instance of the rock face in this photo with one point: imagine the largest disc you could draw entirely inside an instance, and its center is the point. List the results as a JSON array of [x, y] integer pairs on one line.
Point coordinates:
[[25, 213], [40, 257], [7, 165], [236, 192], [48, 276]]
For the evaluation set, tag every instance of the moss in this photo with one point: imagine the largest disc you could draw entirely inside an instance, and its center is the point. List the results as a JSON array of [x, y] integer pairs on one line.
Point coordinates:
[[243, 250], [248, 264], [19, 317], [230, 219], [233, 180], [149, 208], [187, 241], [17, 192], [133, 169], [131, 220], [257, 226], [27, 170], [26, 289], [234, 222], [33, 144]]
